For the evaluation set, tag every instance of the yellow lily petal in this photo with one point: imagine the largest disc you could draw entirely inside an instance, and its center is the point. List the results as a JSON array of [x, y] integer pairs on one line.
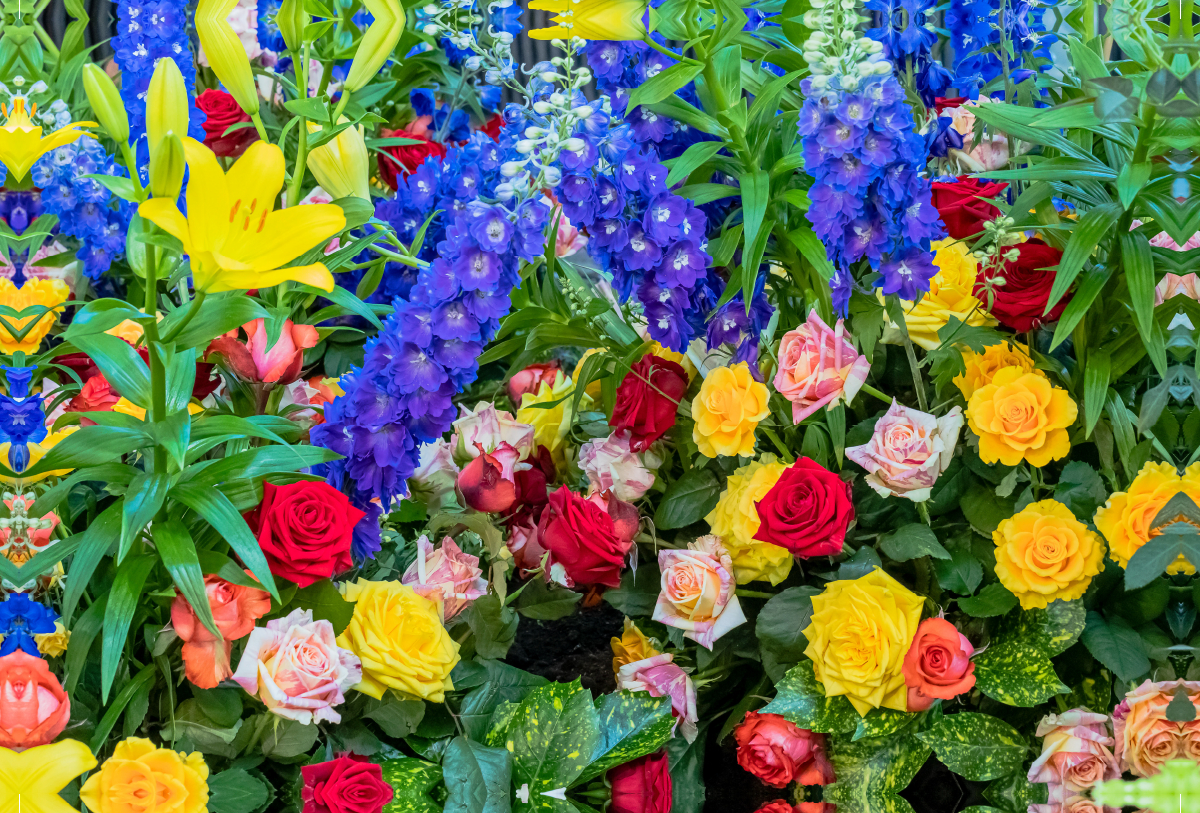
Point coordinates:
[[166, 215], [254, 182], [291, 229], [316, 275], [208, 198], [21, 142], [30, 780]]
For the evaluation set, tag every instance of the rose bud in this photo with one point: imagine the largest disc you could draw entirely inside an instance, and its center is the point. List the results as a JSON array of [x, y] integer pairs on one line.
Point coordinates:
[[648, 400], [779, 753], [641, 786], [531, 379], [1076, 751], [938, 664], [659, 676], [34, 709], [488, 482], [908, 451]]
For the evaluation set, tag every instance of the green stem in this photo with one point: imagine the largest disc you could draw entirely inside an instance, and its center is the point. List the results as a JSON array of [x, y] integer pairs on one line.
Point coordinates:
[[193, 309], [260, 127], [131, 165], [158, 376], [923, 510], [869, 390], [302, 151], [752, 594], [787, 456], [915, 367], [662, 49]]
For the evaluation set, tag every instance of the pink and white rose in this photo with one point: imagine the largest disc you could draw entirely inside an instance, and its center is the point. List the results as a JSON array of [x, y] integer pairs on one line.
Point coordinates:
[[435, 476], [484, 429], [1076, 751], [610, 465], [1173, 285], [818, 367], [447, 575], [661, 677], [908, 451], [697, 591], [297, 669]]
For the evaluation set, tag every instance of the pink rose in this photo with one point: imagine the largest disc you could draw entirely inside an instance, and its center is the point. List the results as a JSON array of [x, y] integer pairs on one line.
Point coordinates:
[[447, 575], [697, 591], [253, 360], [523, 544], [1175, 285], [569, 240], [610, 465], [659, 676], [1063, 801], [433, 481], [487, 427], [1145, 737], [818, 367], [779, 753], [531, 379], [908, 451], [1075, 751], [296, 668]]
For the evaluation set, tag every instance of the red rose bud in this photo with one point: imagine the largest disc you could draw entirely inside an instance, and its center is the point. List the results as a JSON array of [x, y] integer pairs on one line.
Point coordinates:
[[223, 112], [960, 206], [648, 399], [588, 538], [641, 786], [807, 511], [305, 530], [405, 159], [530, 380], [1020, 302], [488, 483], [348, 784]]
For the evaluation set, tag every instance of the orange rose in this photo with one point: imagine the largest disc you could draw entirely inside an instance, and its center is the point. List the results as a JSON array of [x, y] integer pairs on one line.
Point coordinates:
[[938, 664], [235, 609], [34, 709], [1021, 416]]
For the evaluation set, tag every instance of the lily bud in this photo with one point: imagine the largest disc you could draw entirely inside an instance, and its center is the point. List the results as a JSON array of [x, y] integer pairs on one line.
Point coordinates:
[[340, 166], [225, 53], [291, 19], [105, 100], [378, 41], [167, 164], [166, 103]]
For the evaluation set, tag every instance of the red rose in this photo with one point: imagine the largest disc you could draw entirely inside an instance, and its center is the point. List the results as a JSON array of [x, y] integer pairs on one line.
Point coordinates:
[[641, 786], [493, 126], [777, 806], [531, 378], [488, 482], [223, 112], [532, 492], [406, 158], [648, 399], [97, 395], [779, 753], [305, 530], [1020, 302], [588, 537], [960, 208], [807, 511], [943, 103], [348, 784]]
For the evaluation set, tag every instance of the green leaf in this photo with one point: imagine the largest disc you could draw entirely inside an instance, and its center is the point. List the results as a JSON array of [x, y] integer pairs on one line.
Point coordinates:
[[237, 791], [544, 602], [689, 499], [287, 738], [976, 746], [912, 542], [961, 573], [992, 600], [1017, 672], [143, 500], [800, 698], [1086, 235], [1080, 488], [397, 718], [494, 626], [1141, 279], [219, 313], [984, 510], [664, 83], [756, 193], [413, 780], [501, 684], [686, 760], [1116, 645], [222, 706], [1096, 377], [325, 602], [552, 737], [638, 592], [178, 553], [782, 620], [632, 724], [1015, 792], [692, 158], [123, 600], [120, 363], [83, 634], [1130, 180], [131, 688], [882, 723], [702, 193], [477, 777], [220, 513], [872, 772]]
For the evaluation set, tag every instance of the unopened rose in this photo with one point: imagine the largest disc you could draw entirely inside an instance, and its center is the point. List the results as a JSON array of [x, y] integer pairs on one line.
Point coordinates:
[[447, 575], [259, 361], [938, 664], [641, 786], [1145, 738], [908, 451], [697, 591], [531, 378], [34, 709], [488, 483], [434, 479], [484, 429], [610, 465], [661, 677], [235, 608], [818, 367], [1076, 751], [647, 400], [523, 544], [779, 753]]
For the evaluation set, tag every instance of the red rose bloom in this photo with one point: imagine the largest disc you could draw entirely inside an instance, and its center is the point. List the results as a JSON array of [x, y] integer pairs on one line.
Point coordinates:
[[807, 511], [943, 103], [641, 786], [348, 784], [483, 484], [1020, 302], [405, 159], [588, 537], [305, 530], [960, 208], [648, 399], [779, 753], [493, 126], [222, 113]]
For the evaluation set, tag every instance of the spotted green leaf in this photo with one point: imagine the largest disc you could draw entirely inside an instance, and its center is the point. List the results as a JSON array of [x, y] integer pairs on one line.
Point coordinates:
[[800, 698], [975, 746], [552, 737], [872, 772], [501, 718], [1015, 792], [1017, 673], [981, 809], [882, 722], [631, 725], [412, 779], [1056, 627]]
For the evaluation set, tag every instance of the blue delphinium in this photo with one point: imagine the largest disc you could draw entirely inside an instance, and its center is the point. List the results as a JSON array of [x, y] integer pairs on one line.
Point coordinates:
[[975, 37], [269, 36], [22, 417], [907, 34], [20, 619]]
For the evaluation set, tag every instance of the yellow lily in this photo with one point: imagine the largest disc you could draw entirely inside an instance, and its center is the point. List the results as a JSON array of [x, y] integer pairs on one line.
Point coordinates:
[[30, 780], [377, 42], [21, 142], [225, 53], [234, 237], [621, 20], [341, 166]]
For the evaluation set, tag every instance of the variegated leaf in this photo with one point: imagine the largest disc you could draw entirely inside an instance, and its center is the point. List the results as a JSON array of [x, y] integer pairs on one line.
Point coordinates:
[[871, 773], [552, 737], [800, 698], [976, 746], [1017, 673], [631, 725], [412, 779], [882, 722]]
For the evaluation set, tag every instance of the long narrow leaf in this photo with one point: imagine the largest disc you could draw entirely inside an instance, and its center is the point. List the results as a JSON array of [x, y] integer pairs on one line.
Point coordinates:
[[123, 601], [93, 545], [178, 554], [223, 516], [1086, 235]]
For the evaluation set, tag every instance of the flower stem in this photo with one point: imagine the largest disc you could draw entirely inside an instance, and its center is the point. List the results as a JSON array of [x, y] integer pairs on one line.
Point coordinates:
[[918, 381], [752, 594], [779, 445], [302, 131], [869, 390], [923, 510]]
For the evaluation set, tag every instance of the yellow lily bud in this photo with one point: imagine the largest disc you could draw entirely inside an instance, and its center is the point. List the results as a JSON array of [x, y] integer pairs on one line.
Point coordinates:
[[166, 167], [166, 104], [291, 19], [377, 43], [620, 20], [105, 100], [340, 165], [225, 53]]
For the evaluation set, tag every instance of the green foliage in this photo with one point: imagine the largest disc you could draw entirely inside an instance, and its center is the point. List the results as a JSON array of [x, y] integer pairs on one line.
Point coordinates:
[[976, 746], [800, 698], [872, 772]]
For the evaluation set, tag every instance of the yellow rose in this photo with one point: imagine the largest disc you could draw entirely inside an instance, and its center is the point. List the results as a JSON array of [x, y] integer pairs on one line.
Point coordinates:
[[1126, 519], [53, 644], [1021, 416], [982, 367], [174, 782], [950, 294], [727, 411], [48, 292], [860, 631], [735, 520], [1043, 553], [550, 426], [399, 637], [631, 647], [681, 359]]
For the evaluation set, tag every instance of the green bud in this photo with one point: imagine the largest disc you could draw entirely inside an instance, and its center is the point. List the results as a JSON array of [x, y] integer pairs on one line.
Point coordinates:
[[166, 167], [291, 19], [106, 102]]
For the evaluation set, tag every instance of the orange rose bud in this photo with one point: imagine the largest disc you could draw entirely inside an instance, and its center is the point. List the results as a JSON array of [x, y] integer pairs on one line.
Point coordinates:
[[938, 664], [34, 709], [235, 609]]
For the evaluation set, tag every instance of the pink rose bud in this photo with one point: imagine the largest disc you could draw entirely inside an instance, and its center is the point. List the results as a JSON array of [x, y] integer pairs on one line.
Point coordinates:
[[447, 575], [523, 544], [908, 451], [818, 367], [488, 483], [531, 379], [697, 591], [485, 429], [660, 677], [611, 466]]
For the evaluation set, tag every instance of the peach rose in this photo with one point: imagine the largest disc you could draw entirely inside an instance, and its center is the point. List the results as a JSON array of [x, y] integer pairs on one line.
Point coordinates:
[[661, 677], [908, 451], [818, 367], [234, 609], [779, 753], [610, 465], [297, 669], [1075, 751], [1174, 285], [446, 575], [938, 664], [697, 591], [34, 709], [1145, 737], [259, 361], [1061, 801]]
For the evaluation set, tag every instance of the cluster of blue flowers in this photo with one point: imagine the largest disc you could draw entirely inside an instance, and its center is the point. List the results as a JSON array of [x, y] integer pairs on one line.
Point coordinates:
[[269, 36], [21, 618], [86, 210], [22, 417], [907, 34], [975, 28], [869, 197]]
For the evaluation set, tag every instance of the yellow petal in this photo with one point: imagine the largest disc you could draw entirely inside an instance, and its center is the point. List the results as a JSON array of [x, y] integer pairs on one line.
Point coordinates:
[[208, 199], [316, 275], [290, 232], [30, 781], [166, 215]]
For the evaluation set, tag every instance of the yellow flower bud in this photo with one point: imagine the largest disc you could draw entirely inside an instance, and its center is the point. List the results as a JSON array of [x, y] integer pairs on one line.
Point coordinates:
[[166, 167], [106, 102], [166, 104], [340, 165], [225, 53], [291, 19], [377, 43]]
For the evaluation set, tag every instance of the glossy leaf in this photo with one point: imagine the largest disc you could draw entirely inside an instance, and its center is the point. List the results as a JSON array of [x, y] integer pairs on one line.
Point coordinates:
[[219, 512], [976, 746], [123, 601], [178, 553], [800, 698]]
